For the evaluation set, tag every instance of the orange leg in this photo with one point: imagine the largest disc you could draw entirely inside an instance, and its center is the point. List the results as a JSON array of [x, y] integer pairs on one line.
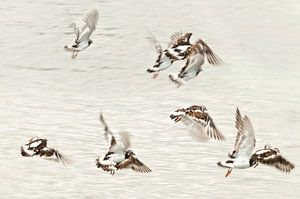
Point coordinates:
[[228, 172]]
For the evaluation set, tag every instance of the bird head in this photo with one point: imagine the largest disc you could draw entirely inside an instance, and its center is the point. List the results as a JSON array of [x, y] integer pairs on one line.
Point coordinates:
[[128, 154]]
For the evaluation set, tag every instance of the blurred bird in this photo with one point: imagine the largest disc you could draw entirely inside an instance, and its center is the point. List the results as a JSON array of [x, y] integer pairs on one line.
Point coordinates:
[[199, 123], [242, 157], [195, 56], [119, 156], [38, 147], [176, 50], [82, 40]]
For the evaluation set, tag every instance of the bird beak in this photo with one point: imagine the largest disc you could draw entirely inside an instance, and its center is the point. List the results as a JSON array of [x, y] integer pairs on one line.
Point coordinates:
[[228, 172]]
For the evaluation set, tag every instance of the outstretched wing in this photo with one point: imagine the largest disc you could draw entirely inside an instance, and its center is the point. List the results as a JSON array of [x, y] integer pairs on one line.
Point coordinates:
[[122, 144], [76, 30], [239, 135], [157, 45], [61, 158], [91, 21], [247, 141], [278, 162], [212, 131], [136, 165], [212, 57], [115, 146], [108, 135]]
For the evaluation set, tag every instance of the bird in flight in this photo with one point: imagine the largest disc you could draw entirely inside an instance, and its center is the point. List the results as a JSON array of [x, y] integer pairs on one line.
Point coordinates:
[[82, 39], [119, 156], [242, 157]]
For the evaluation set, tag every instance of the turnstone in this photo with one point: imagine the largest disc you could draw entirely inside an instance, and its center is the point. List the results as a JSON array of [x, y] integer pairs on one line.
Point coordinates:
[[195, 56], [176, 50], [199, 123], [118, 155], [82, 40], [38, 147], [242, 157]]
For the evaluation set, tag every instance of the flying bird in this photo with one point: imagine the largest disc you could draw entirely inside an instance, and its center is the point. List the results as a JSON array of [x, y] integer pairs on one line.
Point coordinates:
[[199, 123], [119, 156], [195, 57], [38, 147], [176, 50], [241, 157], [82, 39]]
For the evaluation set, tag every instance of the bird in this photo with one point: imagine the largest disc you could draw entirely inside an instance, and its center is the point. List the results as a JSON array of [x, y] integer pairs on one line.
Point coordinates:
[[38, 147], [241, 157], [199, 122], [82, 40], [195, 57], [119, 156], [176, 50], [272, 157]]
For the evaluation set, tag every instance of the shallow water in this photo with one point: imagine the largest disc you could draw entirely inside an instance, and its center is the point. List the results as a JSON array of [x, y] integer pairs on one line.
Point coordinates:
[[47, 94]]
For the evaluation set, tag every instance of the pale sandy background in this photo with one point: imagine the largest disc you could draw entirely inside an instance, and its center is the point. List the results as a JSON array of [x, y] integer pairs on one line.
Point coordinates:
[[43, 92]]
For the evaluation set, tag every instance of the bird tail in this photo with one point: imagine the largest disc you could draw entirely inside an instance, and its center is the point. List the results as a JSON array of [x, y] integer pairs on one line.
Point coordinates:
[[225, 164]]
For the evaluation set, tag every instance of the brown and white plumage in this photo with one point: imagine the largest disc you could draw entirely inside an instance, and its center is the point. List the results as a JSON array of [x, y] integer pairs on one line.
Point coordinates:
[[195, 57], [199, 123], [38, 147], [177, 50], [242, 157], [135, 164], [118, 153], [272, 157]]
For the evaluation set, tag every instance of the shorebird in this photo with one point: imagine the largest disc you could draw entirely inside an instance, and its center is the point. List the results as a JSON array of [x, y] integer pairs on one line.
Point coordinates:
[[38, 147], [82, 40], [195, 57], [199, 122], [176, 50], [242, 157], [119, 156]]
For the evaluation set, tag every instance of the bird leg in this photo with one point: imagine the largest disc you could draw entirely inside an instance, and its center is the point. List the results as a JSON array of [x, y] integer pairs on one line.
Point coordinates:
[[155, 75], [74, 54], [228, 172], [175, 80]]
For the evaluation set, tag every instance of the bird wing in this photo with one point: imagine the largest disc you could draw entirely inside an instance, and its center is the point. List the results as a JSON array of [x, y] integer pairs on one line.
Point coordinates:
[[278, 162], [76, 30], [195, 128], [212, 131], [91, 21], [108, 135], [157, 45], [115, 146], [238, 125], [135, 164], [208, 124], [247, 141], [179, 38], [212, 57], [61, 158], [122, 144]]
